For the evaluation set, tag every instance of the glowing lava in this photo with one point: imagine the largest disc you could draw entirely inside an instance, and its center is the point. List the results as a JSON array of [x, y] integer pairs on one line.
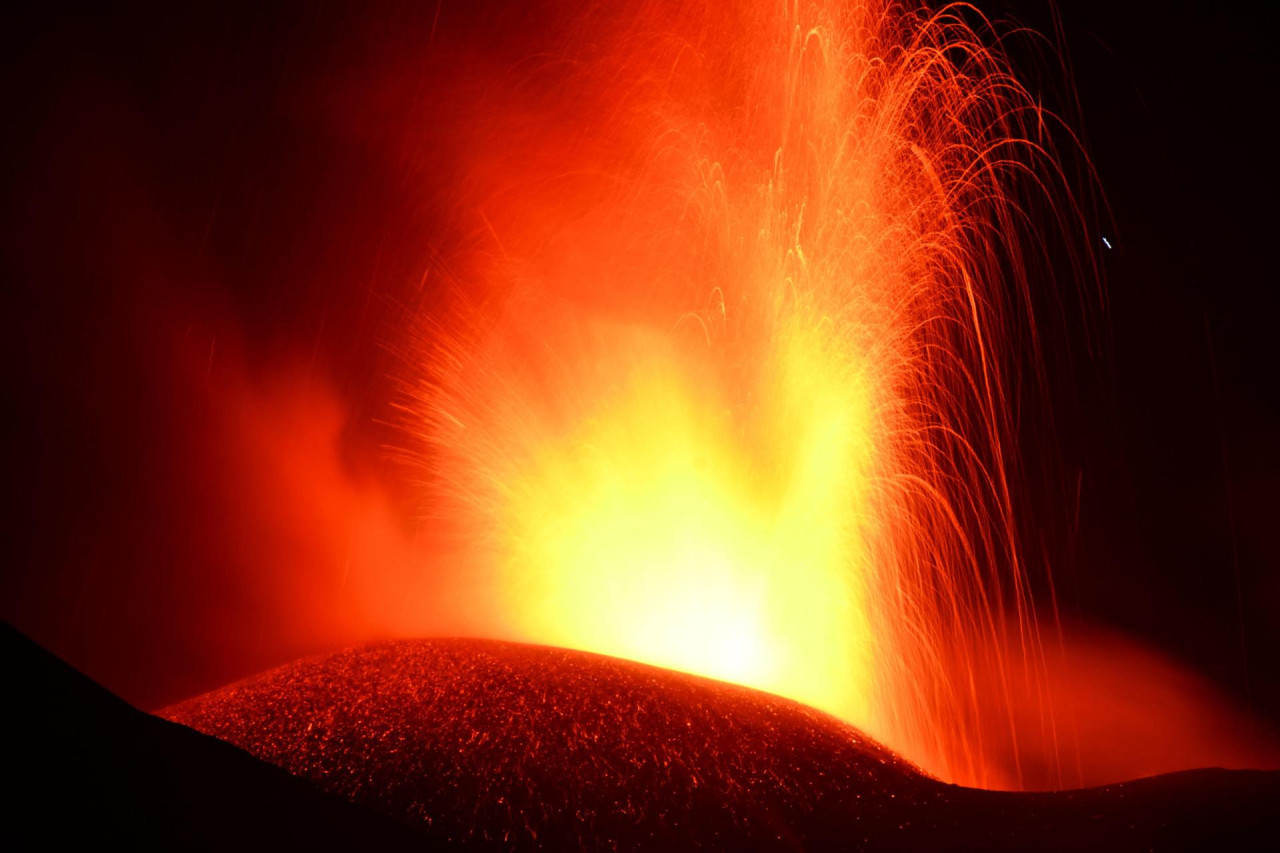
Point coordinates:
[[730, 392], [659, 530]]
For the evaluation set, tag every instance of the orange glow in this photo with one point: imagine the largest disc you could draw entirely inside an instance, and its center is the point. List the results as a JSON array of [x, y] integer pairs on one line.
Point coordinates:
[[656, 531], [729, 389]]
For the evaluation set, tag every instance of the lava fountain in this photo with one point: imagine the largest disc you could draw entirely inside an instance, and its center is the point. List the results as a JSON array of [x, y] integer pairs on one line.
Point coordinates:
[[731, 382]]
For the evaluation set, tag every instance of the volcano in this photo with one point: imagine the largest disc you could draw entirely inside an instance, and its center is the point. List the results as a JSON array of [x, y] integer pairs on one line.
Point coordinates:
[[487, 743], [471, 744]]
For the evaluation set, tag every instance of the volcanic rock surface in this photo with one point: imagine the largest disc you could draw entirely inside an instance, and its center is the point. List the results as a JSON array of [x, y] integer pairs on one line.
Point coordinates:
[[485, 743]]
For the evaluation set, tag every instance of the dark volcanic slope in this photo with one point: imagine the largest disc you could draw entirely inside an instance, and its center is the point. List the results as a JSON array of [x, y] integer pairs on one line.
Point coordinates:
[[484, 740], [82, 769], [481, 742]]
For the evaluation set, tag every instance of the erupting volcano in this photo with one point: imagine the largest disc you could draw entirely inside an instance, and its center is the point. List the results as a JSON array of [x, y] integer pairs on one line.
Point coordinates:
[[607, 425]]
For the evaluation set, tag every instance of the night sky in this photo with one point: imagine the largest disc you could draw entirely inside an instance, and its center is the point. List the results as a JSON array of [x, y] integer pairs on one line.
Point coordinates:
[[1176, 433], [212, 204]]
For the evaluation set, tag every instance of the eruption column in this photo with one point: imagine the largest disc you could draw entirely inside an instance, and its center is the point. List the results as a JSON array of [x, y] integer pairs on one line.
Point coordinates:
[[728, 388]]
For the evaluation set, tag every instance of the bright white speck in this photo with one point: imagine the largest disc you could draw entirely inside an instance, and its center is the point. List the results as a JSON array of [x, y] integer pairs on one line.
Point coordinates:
[[1106, 242]]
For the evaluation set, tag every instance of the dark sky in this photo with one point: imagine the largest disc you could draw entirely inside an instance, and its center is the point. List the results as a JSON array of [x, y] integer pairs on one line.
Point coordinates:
[[178, 195], [1177, 436]]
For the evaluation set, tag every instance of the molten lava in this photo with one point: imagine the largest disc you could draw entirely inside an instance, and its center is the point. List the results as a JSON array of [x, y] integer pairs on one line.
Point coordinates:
[[729, 385]]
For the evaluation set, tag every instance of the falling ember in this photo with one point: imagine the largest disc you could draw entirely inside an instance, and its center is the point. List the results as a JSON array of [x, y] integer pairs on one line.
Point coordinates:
[[730, 387]]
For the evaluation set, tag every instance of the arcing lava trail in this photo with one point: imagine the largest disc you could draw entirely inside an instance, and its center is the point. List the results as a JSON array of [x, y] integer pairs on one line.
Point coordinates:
[[732, 389]]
